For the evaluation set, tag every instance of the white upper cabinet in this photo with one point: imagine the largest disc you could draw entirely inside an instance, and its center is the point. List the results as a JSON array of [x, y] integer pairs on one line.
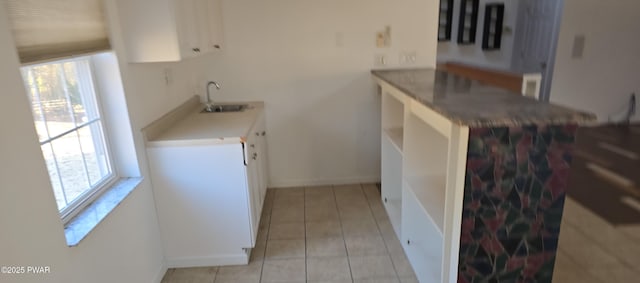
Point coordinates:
[[170, 30], [211, 21]]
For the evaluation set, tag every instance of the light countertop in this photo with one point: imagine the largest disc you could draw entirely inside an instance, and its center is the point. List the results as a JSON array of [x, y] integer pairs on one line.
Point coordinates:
[[470, 103], [198, 128]]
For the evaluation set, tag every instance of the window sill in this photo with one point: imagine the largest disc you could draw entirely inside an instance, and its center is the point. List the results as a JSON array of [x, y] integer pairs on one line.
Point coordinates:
[[81, 225]]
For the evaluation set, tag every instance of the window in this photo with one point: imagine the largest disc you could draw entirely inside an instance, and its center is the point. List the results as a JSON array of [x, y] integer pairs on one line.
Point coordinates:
[[70, 129]]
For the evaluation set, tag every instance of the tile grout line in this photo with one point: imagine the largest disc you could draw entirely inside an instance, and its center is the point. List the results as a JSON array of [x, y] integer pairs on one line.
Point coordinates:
[[264, 256], [383, 240], [304, 224], [344, 241]]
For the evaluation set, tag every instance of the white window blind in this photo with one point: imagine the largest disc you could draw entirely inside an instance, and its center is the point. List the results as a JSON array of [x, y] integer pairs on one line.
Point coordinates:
[[48, 29]]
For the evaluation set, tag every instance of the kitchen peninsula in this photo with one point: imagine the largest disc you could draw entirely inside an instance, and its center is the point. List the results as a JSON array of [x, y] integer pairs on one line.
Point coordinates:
[[473, 176]]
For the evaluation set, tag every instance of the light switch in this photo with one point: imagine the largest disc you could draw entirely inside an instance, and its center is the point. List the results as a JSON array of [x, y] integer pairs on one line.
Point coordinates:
[[578, 47], [379, 60], [387, 36], [168, 76]]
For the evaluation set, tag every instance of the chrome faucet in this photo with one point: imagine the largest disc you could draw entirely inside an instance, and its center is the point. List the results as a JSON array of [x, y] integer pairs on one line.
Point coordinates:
[[209, 103]]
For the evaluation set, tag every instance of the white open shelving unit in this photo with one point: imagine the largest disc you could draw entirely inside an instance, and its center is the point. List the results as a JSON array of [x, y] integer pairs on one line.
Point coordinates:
[[392, 156], [423, 170]]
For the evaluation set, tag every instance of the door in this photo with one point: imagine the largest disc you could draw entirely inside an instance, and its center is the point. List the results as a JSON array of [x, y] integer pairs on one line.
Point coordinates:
[[537, 39]]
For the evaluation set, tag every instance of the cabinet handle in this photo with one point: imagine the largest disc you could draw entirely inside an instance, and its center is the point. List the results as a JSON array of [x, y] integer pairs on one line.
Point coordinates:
[[264, 133], [252, 145], [216, 46], [409, 242], [385, 200], [244, 156], [257, 134], [196, 49], [255, 156]]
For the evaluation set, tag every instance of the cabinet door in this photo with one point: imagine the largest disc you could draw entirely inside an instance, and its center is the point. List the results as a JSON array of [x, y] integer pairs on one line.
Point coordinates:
[[154, 36], [253, 187], [254, 198], [201, 200], [188, 27], [210, 23], [263, 173]]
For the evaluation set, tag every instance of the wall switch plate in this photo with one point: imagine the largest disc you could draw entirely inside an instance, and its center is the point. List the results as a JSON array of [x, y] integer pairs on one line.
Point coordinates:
[[168, 76], [379, 60], [387, 36], [577, 52]]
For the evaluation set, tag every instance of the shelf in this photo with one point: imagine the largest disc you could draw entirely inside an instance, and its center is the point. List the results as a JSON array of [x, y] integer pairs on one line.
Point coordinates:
[[395, 135], [391, 170], [422, 239], [430, 194]]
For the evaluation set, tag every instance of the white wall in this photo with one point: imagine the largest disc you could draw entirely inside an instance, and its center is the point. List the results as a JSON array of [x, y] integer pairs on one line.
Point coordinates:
[[322, 111], [473, 54], [310, 62], [603, 79], [126, 246]]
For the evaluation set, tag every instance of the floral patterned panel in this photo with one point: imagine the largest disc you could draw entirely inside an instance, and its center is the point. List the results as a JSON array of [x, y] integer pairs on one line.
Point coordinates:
[[513, 200]]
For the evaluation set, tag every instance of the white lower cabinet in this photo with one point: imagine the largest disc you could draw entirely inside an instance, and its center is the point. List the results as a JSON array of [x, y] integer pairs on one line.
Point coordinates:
[[421, 239], [209, 199]]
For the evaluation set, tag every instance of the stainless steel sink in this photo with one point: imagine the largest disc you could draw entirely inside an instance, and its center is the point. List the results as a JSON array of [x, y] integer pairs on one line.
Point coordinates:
[[221, 108]]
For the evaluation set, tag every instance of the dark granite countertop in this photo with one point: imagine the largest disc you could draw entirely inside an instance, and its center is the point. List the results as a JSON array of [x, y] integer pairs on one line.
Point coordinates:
[[471, 103]]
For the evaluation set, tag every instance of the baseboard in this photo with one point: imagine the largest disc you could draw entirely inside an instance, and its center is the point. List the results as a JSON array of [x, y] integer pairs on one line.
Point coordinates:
[[160, 274], [324, 182], [235, 259]]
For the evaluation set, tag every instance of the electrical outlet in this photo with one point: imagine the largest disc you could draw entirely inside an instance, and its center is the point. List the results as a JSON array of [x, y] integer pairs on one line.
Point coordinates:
[[412, 57], [407, 58]]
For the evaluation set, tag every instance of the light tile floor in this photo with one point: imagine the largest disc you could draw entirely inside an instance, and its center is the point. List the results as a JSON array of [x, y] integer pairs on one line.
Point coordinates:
[[342, 234], [317, 234], [593, 251]]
